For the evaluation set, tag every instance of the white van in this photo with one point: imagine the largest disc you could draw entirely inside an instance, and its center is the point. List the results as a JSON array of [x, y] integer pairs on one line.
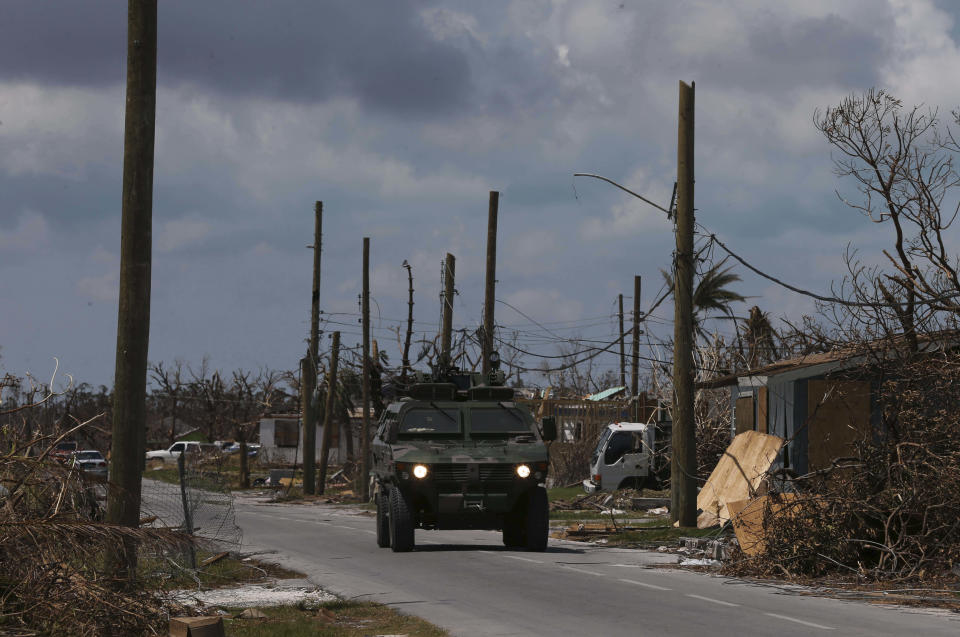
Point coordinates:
[[623, 458]]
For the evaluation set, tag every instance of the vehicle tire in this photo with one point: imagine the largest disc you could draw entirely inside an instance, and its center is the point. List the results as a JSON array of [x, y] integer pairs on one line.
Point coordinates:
[[537, 522], [513, 527], [383, 518], [401, 523]]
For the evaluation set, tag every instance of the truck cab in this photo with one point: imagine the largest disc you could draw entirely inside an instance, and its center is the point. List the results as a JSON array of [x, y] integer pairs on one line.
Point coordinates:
[[623, 458]]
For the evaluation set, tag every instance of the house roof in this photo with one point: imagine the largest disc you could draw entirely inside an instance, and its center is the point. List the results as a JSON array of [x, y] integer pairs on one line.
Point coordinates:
[[606, 393], [844, 356]]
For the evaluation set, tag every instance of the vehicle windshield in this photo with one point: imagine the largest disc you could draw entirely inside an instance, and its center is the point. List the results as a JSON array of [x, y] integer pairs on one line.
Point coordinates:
[[500, 420], [88, 455], [600, 444], [426, 422]]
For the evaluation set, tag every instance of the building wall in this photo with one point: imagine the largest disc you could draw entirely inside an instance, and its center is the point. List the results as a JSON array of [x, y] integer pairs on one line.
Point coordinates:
[[270, 451]]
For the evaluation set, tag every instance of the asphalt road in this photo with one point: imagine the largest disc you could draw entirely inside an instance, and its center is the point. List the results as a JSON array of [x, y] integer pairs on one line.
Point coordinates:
[[467, 582]]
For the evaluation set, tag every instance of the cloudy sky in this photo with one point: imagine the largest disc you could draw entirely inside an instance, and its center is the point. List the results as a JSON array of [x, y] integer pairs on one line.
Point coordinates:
[[400, 116]]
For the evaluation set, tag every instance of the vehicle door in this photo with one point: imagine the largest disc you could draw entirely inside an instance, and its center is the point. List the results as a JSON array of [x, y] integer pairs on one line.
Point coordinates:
[[637, 461], [621, 459], [380, 449]]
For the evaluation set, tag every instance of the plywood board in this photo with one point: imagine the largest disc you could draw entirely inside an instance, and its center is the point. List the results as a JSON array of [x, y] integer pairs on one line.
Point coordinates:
[[737, 476], [838, 415], [762, 410], [747, 518], [744, 414]]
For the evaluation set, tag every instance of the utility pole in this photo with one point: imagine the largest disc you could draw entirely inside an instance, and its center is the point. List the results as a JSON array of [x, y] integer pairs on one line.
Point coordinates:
[[308, 384], [491, 283], [328, 411], [405, 370], [623, 369], [309, 413], [446, 334], [635, 360], [365, 431], [683, 468], [133, 317]]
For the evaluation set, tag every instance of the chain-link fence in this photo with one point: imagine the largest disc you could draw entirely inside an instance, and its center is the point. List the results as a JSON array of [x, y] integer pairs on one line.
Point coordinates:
[[194, 496]]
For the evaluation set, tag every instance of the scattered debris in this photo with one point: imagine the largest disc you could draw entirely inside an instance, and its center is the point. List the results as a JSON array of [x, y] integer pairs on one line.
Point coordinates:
[[256, 595], [624, 499], [213, 559], [650, 503], [252, 613], [196, 627], [698, 562]]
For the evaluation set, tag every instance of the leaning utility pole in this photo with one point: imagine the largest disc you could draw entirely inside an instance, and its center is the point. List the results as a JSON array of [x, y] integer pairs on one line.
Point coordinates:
[[328, 411], [365, 431], [683, 468], [446, 333], [623, 369], [133, 318], [635, 359], [491, 283], [309, 411]]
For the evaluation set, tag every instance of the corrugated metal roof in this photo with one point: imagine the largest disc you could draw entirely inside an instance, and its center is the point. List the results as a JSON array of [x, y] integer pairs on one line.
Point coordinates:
[[606, 393]]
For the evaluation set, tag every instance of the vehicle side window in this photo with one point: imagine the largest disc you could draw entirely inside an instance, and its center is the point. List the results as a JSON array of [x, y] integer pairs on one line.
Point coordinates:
[[390, 431], [620, 443], [382, 428], [177, 448]]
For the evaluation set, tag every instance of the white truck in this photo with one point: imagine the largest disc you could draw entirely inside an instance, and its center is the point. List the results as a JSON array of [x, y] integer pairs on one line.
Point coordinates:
[[623, 458], [173, 452]]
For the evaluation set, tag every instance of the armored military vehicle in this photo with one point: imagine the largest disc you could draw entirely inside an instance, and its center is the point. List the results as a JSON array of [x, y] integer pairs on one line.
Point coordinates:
[[457, 453]]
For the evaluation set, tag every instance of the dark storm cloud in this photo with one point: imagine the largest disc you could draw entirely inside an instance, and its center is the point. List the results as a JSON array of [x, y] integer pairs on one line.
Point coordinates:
[[380, 53], [828, 47]]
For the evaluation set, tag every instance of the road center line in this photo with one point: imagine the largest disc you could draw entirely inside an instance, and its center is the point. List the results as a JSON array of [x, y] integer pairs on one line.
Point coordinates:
[[522, 559], [800, 621], [712, 600], [584, 571], [645, 585]]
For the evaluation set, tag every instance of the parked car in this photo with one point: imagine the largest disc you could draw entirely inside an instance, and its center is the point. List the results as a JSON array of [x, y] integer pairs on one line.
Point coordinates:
[[252, 449], [173, 452], [90, 461], [63, 450]]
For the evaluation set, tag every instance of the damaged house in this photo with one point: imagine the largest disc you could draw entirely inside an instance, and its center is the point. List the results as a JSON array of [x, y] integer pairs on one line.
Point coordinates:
[[819, 404]]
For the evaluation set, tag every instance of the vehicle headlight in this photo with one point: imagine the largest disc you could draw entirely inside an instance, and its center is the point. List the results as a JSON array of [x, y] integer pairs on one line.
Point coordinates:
[[420, 471], [523, 471]]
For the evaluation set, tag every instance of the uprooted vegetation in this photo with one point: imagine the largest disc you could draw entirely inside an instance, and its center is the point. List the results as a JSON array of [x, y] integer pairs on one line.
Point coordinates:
[[890, 511], [58, 567]]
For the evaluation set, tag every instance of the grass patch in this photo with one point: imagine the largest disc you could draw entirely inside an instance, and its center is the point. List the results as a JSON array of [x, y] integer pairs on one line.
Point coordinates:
[[333, 619], [168, 474], [565, 493]]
